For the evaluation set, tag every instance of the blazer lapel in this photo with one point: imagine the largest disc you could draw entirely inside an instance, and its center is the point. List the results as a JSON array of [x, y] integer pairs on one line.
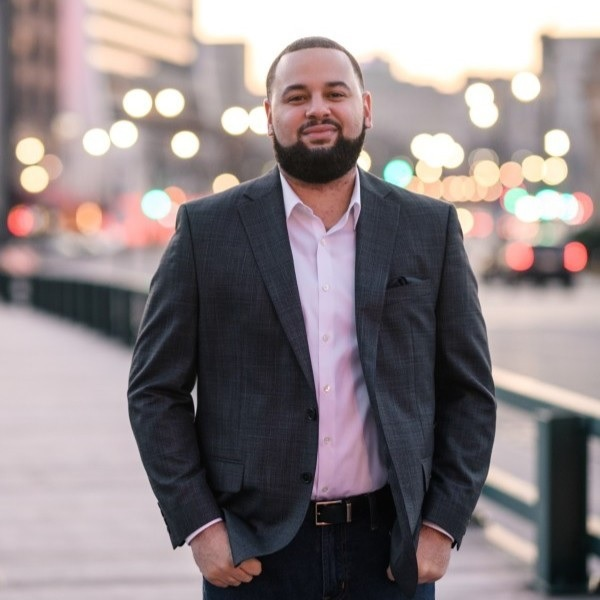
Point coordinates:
[[375, 239], [263, 216]]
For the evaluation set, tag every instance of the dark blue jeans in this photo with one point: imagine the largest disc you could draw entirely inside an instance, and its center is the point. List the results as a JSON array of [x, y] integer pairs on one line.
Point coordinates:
[[335, 562]]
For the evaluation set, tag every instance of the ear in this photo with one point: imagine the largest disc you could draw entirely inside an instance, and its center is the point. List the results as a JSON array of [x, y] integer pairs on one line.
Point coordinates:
[[267, 106], [367, 110]]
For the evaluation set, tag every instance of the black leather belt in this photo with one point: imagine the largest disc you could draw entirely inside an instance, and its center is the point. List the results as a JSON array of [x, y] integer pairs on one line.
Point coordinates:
[[374, 506]]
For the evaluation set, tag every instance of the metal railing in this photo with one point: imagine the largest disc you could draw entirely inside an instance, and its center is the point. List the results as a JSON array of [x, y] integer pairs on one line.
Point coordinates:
[[567, 534], [557, 504]]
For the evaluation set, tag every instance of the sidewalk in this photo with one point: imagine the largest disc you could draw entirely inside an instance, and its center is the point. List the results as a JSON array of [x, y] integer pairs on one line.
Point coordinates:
[[77, 518]]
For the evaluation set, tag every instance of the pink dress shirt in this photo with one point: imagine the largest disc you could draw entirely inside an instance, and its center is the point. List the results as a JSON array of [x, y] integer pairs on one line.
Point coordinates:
[[349, 459]]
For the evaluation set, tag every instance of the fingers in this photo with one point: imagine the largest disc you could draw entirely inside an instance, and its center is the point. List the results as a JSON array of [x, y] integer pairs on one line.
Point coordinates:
[[212, 554], [229, 576], [252, 567]]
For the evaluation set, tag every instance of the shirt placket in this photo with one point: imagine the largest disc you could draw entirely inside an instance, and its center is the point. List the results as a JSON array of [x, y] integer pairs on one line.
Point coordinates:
[[327, 389]]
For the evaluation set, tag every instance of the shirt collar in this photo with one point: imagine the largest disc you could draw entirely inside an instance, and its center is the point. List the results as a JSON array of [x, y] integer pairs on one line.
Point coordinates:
[[291, 199]]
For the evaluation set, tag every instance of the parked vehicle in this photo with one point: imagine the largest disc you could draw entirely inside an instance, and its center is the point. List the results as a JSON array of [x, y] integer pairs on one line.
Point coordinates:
[[518, 261]]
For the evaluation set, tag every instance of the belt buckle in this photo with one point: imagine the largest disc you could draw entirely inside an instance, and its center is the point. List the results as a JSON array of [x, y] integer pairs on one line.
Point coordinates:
[[320, 523]]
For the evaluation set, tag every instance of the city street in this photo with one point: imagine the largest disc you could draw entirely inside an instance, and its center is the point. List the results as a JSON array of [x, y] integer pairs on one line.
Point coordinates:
[[549, 333]]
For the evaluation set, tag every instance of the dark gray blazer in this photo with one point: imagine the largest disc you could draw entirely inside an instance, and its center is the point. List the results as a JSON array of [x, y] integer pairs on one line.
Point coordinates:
[[224, 313]]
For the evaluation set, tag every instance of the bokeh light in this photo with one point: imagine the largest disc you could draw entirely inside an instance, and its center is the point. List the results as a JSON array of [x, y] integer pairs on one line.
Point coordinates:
[[20, 221], [257, 120], [525, 86], [576, 257], [439, 150], [123, 134], [96, 141], [511, 174], [156, 204], [478, 94], [486, 172], [519, 256], [137, 103], [53, 165], [30, 150], [185, 144], [533, 168], [556, 142], [484, 116], [169, 102], [555, 170], [224, 181], [88, 218], [466, 220], [34, 179], [364, 160], [398, 171], [426, 172], [235, 120]]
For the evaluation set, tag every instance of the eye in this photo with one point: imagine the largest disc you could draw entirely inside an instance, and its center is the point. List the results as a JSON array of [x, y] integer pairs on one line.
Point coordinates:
[[295, 99]]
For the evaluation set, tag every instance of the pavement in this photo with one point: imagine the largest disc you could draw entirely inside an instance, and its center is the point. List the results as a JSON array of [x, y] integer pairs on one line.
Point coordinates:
[[77, 517]]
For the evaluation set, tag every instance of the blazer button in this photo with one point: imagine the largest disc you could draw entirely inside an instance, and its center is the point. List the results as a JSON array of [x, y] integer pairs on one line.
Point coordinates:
[[311, 414], [306, 477]]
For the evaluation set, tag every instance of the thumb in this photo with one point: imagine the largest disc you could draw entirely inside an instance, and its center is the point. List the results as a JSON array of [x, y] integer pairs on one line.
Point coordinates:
[[251, 566], [390, 575]]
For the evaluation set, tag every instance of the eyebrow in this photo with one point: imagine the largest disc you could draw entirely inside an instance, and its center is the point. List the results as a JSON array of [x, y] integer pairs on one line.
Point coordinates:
[[301, 87]]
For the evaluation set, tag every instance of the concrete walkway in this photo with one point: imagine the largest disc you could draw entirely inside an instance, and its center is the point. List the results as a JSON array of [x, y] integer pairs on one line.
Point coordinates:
[[77, 518]]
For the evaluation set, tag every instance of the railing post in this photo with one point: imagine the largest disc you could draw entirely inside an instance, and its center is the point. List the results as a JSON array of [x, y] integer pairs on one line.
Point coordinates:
[[562, 481]]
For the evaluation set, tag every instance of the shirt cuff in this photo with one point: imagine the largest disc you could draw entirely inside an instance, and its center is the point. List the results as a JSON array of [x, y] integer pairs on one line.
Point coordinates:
[[438, 528], [192, 535]]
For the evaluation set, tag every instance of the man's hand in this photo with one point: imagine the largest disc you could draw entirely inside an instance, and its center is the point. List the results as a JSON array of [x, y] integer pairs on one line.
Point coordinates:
[[212, 554], [433, 555]]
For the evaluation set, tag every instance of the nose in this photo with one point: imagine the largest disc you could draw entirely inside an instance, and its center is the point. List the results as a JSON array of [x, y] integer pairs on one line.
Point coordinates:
[[318, 107]]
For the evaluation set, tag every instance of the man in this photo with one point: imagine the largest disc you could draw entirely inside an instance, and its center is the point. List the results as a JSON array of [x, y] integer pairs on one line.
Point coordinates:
[[330, 321]]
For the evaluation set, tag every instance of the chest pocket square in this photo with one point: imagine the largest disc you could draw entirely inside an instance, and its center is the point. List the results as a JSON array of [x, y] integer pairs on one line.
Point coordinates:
[[403, 280]]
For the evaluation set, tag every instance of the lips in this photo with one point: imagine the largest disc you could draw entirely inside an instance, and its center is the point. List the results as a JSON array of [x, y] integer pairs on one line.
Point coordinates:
[[318, 128], [312, 129], [319, 133]]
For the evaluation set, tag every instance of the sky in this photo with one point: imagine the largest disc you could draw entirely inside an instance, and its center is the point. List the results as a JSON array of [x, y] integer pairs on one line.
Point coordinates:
[[429, 42]]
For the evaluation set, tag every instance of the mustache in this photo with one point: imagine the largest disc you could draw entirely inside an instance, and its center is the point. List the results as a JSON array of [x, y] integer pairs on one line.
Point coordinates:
[[314, 122]]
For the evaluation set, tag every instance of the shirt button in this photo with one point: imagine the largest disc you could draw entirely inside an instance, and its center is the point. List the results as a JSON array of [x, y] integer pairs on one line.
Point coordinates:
[[327, 440], [323, 241], [325, 489], [325, 288], [306, 477], [326, 388], [326, 338]]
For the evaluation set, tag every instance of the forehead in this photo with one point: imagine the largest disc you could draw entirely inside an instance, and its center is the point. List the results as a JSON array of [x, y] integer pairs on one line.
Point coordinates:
[[314, 67]]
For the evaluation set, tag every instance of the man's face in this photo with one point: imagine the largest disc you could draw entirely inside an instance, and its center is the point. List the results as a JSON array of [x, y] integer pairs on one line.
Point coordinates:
[[317, 114]]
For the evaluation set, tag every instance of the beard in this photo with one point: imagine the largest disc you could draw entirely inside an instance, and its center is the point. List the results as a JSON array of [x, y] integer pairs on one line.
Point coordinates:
[[319, 165]]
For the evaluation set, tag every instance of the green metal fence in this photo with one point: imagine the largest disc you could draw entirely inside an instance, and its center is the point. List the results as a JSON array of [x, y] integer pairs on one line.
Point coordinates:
[[557, 504]]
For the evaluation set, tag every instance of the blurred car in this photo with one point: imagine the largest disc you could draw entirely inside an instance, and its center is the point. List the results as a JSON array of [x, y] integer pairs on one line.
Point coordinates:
[[518, 261]]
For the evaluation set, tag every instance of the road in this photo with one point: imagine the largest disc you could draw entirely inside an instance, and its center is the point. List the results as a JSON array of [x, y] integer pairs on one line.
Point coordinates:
[[550, 333]]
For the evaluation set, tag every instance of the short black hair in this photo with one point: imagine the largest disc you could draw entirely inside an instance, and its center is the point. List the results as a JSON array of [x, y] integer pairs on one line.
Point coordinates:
[[312, 42]]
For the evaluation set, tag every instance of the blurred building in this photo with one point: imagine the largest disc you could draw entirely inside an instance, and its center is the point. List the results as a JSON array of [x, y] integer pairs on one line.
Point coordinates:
[[71, 66], [98, 91], [4, 117], [570, 100]]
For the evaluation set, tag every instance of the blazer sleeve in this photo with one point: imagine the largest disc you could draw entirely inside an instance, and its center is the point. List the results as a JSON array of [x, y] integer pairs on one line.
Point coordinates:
[[465, 414], [161, 381]]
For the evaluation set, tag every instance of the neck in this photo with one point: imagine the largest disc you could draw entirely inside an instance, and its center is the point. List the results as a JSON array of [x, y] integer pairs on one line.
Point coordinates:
[[329, 201]]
